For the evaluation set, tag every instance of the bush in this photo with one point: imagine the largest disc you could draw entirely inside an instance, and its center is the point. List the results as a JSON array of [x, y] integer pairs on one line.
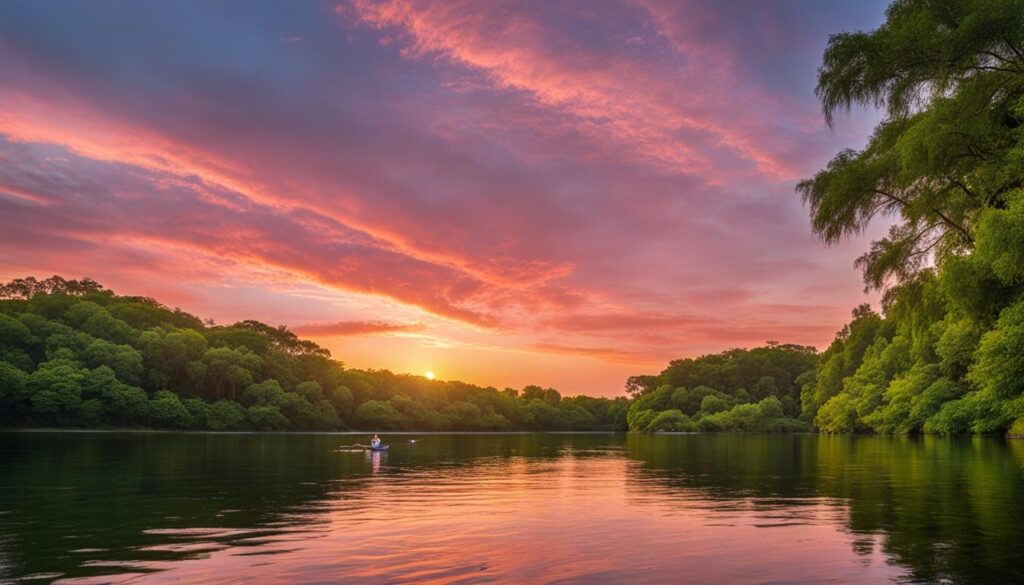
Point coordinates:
[[197, 413], [976, 412], [671, 420], [838, 415], [55, 391], [225, 415], [267, 418], [640, 420], [712, 404], [91, 413], [765, 416], [124, 405], [166, 410], [266, 393], [1016, 429]]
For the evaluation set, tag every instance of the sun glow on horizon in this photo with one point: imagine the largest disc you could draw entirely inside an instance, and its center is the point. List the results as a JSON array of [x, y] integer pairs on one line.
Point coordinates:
[[428, 375]]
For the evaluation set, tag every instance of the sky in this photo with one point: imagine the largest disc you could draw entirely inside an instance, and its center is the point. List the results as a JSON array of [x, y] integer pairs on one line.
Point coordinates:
[[502, 192]]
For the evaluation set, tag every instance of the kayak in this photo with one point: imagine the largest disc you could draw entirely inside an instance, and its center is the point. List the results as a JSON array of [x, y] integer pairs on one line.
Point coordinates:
[[358, 447]]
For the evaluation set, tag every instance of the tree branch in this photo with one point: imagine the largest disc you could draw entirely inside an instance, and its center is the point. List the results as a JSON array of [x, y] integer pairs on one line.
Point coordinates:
[[1014, 48], [999, 57], [949, 222], [962, 186]]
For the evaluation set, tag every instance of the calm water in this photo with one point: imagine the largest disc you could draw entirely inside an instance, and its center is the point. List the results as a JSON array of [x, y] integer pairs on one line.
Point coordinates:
[[205, 508]]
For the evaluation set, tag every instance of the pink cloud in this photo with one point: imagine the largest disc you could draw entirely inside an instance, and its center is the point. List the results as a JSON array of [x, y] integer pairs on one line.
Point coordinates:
[[515, 51], [100, 202], [582, 180], [668, 116]]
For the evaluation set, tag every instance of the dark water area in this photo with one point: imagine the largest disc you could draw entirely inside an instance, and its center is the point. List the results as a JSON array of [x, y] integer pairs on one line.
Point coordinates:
[[530, 508]]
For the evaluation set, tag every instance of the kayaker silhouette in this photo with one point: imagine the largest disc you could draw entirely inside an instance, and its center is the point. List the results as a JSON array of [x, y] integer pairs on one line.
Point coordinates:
[[375, 441]]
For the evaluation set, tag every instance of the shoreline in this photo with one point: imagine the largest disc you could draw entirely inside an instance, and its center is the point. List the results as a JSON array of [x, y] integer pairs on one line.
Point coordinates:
[[339, 433], [58, 430]]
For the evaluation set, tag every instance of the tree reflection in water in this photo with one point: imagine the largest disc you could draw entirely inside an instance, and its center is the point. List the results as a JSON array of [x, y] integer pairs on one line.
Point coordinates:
[[93, 507]]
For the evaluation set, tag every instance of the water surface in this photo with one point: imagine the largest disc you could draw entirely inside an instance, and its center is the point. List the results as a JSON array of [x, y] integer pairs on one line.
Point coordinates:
[[529, 508]]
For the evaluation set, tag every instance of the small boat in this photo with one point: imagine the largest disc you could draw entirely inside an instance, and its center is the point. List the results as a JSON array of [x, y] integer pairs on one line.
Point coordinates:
[[361, 447]]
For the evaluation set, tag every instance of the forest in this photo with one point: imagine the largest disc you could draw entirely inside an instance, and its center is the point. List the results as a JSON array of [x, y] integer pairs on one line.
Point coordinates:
[[944, 169], [74, 354]]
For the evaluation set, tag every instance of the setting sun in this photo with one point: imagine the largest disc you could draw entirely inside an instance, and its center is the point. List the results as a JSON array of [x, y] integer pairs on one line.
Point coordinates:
[[429, 375]]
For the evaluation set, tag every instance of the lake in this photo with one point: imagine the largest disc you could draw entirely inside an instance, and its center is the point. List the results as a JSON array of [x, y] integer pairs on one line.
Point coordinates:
[[511, 508]]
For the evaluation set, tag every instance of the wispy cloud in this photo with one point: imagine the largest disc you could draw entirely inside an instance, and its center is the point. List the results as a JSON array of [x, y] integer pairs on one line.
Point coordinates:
[[605, 180], [609, 354], [347, 328]]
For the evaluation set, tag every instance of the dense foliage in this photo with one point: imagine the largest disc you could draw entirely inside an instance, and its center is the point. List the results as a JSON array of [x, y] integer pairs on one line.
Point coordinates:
[[946, 167], [736, 390], [74, 354]]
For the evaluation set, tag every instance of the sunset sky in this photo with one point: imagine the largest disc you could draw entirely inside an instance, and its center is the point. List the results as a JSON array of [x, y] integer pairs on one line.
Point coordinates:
[[559, 193]]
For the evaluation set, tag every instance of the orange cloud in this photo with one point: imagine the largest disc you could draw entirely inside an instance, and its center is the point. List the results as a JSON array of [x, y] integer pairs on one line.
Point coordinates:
[[608, 354], [347, 328]]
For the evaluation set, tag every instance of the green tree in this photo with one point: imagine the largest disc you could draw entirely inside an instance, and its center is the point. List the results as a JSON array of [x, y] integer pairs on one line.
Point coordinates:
[[311, 391], [225, 372], [267, 392], [640, 420], [840, 360], [14, 333], [14, 384], [55, 391], [999, 368], [225, 415], [124, 360], [547, 416], [124, 405], [171, 356], [198, 411], [103, 325], [712, 404], [378, 414], [764, 388], [671, 420], [949, 77], [166, 410], [420, 415], [267, 418], [29, 287]]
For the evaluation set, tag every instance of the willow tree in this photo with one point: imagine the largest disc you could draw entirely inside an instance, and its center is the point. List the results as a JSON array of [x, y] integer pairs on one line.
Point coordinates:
[[948, 76]]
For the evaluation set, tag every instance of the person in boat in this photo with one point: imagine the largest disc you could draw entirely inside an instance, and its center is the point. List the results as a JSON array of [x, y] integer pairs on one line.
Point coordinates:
[[375, 441]]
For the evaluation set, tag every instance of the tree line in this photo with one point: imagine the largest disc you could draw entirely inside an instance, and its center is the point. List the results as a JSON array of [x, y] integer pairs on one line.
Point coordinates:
[[736, 390], [75, 354]]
